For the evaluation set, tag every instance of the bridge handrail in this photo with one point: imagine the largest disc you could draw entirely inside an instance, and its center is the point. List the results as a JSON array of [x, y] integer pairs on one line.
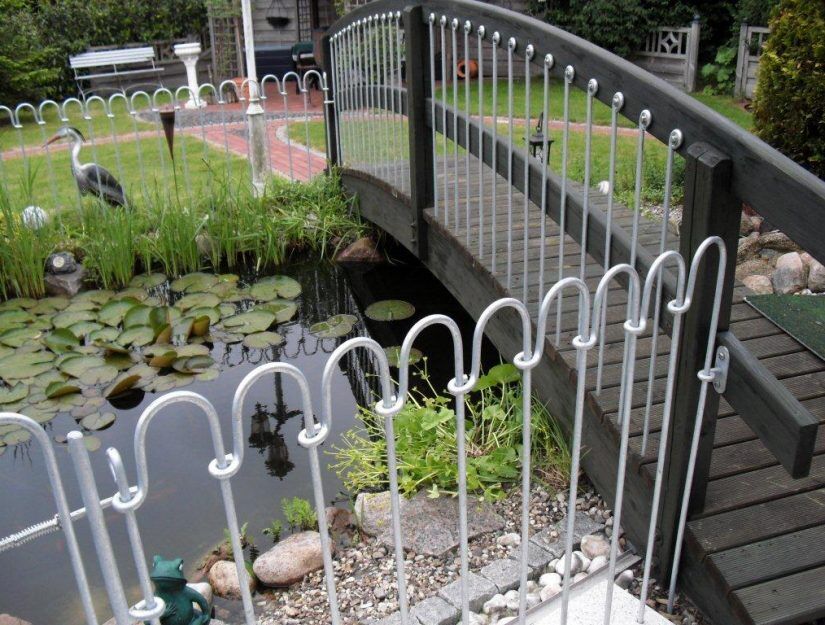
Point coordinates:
[[761, 177]]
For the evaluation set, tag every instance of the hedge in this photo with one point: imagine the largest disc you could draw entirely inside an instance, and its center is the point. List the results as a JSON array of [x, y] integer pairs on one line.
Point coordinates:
[[789, 108]]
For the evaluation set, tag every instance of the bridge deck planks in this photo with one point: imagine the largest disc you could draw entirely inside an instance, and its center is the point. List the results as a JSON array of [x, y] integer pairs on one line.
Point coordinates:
[[755, 549]]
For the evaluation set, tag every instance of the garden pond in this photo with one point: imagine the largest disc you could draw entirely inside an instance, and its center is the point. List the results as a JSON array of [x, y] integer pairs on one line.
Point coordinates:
[[183, 516]]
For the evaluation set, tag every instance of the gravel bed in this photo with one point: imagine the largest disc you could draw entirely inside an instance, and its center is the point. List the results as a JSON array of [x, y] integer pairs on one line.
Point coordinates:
[[365, 571]]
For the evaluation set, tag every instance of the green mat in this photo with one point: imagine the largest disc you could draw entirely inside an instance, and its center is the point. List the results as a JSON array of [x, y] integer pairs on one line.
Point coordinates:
[[801, 316]]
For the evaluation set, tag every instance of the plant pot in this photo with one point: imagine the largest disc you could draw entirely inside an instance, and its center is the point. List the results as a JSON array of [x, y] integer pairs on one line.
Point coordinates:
[[468, 67]]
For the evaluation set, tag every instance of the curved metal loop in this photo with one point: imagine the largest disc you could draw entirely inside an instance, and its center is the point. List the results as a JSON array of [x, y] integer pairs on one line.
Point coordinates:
[[43, 106], [270, 78], [675, 306], [135, 96], [87, 107], [59, 494], [245, 87], [633, 324], [192, 95], [26, 106], [10, 113], [387, 405], [113, 98], [210, 86], [287, 76], [698, 256], [222, 467], [322, 80], [272, 368], [221, 87], [64, 117], [484, 318], [155, 95], [585, 338]]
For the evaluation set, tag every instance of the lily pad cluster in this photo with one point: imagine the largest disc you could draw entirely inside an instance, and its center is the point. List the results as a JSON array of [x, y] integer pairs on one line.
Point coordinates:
[[61, 355], [334, 327]]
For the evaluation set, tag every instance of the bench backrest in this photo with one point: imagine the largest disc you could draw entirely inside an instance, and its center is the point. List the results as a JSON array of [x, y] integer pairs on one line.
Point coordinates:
[[122, 56]]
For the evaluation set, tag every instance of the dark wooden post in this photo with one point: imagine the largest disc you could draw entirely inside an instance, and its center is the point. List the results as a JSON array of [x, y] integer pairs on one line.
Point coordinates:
[[420, 135], [330, 114], [710, 209]]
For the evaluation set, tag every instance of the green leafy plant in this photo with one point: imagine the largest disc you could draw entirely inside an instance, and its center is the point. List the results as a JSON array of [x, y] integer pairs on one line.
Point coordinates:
[[426, 442], [790, 95], [299, 513], [274, 530], [719, 76]]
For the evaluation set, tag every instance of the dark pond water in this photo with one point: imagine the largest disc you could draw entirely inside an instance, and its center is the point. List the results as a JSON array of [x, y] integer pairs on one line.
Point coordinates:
[[183, 516]]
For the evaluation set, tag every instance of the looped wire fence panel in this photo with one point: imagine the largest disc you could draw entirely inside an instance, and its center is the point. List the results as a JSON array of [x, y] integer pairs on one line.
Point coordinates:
[[390, 398]]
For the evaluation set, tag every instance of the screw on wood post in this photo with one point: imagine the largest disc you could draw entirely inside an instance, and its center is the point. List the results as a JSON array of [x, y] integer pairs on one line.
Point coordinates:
[[710, 209], [420, 135]]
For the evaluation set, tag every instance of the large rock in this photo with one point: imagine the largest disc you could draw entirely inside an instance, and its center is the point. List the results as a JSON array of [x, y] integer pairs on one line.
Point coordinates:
[[67, 284], [8, 619], [223, 578], [777, 241], [290, 560], [748, 247], [428, 526], [594, 545], [753, 267], [816, 276], [362, 250], [790, 275], [760, 285]]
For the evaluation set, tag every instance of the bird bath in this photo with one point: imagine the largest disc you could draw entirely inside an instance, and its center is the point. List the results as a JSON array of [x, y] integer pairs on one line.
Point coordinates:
[[189, 54]]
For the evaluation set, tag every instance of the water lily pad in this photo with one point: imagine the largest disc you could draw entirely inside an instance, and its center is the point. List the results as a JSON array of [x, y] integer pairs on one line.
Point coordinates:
[[394, 353], [343, 318], [123, 383], [212, 312], [207, 376], [163, 334], [18, 336], [97, 421], [193, 283], [81, 306], [227, 310], [92, 443], [28, 365], [200, 325], [192, 350], [59, 389], [390, 310], [250, 322], [14, 319], [137, 316], [262, 340], [84, 328], [18, 303], [112, 313], [112, 348], [181, 330], [90, 406], [224, 290], [164, 359], [286, 287], [70, 317], [148, 280], [18, 392], [227, 338], [137, 336], [197, 300], [61, 340], [103, 335], [49, 305], [326, 330], [137, 294], [120, 361], [98, 296], [194, 364], [284, 310], [99, 375], [77, 365], [17, 437]]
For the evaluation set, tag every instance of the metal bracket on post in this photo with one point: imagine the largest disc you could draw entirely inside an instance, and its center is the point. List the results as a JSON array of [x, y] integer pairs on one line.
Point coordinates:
[[720, 370]]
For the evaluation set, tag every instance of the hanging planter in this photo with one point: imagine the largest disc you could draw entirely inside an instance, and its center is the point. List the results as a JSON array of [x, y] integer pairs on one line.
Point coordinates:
[[278, 15]]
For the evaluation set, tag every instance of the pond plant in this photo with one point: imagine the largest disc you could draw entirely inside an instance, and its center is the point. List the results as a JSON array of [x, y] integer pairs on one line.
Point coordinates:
[[62, 355], [426, 446], [226, 228]]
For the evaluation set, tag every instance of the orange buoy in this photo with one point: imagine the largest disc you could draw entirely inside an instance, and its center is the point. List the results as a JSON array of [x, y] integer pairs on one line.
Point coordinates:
[[470, 66]]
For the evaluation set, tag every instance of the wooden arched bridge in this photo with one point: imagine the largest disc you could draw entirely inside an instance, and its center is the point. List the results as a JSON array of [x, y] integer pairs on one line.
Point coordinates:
[[459, 172]]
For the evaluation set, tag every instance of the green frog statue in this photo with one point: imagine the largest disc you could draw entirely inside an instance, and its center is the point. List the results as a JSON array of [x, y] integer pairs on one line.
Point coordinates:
[[170, 585]]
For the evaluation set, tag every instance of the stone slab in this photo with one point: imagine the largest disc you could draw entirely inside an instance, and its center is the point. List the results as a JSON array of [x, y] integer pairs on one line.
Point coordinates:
[[479, 590], [503, 573], [584, 525], [435, 611], [537, 556]]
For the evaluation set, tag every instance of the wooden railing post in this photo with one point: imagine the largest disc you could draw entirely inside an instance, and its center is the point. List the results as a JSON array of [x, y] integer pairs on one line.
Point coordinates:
[[709, 209], [420, 135], [330, 113]]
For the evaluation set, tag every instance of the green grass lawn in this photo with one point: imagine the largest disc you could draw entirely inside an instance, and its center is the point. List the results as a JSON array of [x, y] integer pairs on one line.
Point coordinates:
[[728, 107], [143, 167]]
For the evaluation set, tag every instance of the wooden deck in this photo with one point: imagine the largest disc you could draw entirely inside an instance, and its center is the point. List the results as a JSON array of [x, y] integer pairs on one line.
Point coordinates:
[[754, 555]]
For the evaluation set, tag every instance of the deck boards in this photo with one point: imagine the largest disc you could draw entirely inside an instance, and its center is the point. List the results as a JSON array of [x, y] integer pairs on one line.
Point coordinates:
[[756, 548]]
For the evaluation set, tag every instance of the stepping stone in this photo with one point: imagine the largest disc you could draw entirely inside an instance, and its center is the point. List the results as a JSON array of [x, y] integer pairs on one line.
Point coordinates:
[[435, 611], [479, 590], [584, 526]]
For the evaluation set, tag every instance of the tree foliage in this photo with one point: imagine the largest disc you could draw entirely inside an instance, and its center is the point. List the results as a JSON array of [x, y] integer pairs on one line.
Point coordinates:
[[790, 98]]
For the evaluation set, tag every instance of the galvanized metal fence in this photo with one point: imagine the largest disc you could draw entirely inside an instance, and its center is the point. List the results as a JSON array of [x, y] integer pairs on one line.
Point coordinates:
[[127, 134], [130, 495]]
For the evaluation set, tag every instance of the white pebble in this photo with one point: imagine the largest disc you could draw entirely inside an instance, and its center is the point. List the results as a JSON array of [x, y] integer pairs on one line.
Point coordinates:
[[575, 565], [548, 592], [533, 599], [509, 540], [496, 603], [594, 545], [597, 563], [550, 579], [584, 559], [624, 579], [512, 599]]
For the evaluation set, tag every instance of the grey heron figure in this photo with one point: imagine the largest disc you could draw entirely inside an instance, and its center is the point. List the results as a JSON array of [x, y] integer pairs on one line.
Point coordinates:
[[91, 178]]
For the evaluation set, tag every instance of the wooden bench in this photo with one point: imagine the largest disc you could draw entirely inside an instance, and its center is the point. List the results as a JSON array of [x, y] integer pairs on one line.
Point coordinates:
[[118, 64]]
